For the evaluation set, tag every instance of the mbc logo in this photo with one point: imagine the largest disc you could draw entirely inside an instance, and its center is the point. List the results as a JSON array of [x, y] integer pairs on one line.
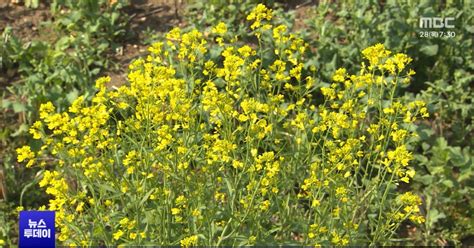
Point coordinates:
[[436, 22]]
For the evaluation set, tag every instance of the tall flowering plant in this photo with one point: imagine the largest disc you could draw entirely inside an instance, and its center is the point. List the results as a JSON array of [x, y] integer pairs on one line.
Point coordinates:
[[217, 142]]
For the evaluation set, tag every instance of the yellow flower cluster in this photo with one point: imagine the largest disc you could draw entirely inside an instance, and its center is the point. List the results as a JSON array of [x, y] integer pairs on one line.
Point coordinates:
[[259, 14], [191, 45], [189, 241], [411, 207], [375, 54], [25, 154], [220, 30], [57, 187]]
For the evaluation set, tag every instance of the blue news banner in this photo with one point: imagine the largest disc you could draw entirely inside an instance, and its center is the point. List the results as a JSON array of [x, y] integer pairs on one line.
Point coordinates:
[[37, 229]]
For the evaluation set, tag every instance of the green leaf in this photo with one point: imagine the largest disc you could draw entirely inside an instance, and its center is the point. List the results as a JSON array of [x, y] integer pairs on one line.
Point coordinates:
[[434, 215], [425, 179], [447, 183], [32, 4], [23, 128], [430, 50], [465, 176], [18, 107], [470, 29], [229, 187], [71, 96], [6, 103], [103, 46], [146, 196], [107, 188]]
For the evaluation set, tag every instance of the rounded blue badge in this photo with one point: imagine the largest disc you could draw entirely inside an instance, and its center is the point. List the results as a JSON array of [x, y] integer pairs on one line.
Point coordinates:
[[37, 229]]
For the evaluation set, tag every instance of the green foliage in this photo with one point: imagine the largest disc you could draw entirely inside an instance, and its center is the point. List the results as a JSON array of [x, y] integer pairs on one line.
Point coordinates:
[[205, 14], [101, 21], [341, 29], [50, 73], [444, 78], [447, 184], [32, 3], [452, 103], [8, 220], [59, 70], [9, 48]]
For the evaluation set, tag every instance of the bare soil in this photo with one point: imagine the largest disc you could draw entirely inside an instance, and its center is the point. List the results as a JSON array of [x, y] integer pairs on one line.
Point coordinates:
[[146, 17]]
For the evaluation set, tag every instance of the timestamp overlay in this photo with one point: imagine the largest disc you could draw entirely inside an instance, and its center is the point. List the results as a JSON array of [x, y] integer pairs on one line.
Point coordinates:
[[437, 34], [437, 27]]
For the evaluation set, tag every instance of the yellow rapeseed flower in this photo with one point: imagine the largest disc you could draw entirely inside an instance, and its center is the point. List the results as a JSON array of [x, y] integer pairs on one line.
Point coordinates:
[[118, 234], [220, 29], [24, 153], [189, 241]]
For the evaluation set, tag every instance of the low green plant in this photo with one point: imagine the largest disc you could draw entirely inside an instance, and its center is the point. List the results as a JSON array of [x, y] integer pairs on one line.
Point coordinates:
[[448, 188], [451, 101], [63, 67], [103, 21], [9, 48], [6, 229]]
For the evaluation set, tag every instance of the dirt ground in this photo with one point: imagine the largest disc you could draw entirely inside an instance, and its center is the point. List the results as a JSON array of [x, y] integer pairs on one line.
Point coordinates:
[[156, 16]]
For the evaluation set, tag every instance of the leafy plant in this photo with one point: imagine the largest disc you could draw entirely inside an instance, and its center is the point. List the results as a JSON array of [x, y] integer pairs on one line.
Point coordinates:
[[102, 20], [219, 142], [6, 229], [444, 76]]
